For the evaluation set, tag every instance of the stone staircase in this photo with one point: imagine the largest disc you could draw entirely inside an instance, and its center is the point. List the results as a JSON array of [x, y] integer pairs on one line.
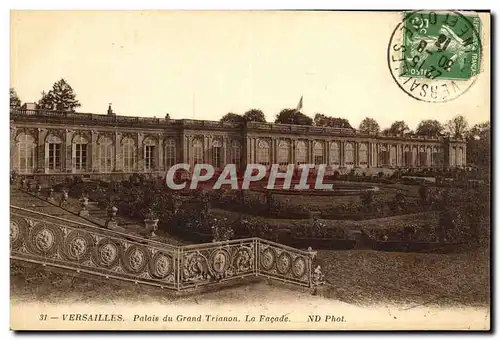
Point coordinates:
[[97, 216]]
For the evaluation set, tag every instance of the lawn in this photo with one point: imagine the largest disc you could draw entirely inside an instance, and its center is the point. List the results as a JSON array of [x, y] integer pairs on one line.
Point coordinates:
[[365, 277]]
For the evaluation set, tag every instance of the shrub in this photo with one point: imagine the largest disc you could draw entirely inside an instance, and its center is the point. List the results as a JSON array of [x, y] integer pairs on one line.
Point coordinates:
[[336, 175], [423, 192]]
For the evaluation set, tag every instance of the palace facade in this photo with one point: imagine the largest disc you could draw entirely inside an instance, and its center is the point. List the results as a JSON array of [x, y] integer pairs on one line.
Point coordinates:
[[51, 144]]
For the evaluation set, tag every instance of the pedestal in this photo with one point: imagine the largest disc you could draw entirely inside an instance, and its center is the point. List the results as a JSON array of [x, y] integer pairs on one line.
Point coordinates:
[[111, 224], [84, 213]]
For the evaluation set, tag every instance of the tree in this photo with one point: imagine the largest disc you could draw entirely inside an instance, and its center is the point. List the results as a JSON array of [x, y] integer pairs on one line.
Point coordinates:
[[479, 144], [457, 127], [60, 98], [398, 127], [232, 117], [369, 125], [429, 127], [254, 115], [15, 102], [292, 116], [324, 120], [45, 102]]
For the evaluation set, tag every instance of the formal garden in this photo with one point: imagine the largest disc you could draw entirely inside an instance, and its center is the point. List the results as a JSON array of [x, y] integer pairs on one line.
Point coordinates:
[[380, 212]]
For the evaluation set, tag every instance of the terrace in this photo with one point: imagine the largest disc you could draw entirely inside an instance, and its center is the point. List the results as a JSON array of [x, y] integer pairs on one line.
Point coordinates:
[[22, 114]]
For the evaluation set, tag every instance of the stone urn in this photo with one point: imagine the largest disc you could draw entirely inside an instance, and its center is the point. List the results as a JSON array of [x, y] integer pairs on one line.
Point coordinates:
[[111, 222], [151, 225]]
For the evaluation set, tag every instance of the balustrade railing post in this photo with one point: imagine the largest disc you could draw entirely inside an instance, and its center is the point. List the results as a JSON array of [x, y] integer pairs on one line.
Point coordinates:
[[310, 272], [257, 256], [179, 268]]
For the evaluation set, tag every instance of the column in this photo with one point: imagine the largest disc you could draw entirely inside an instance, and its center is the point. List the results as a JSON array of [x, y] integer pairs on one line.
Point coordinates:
[[327, 152], [356, 154], [118, 152], [41, 152], [92, 150], [207, 146], [68, 153], [342, 153], [13, 148], [160, 160], [140, 149]]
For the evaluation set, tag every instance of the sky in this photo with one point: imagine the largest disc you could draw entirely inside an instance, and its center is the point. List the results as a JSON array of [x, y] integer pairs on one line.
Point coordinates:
[[204, 64]]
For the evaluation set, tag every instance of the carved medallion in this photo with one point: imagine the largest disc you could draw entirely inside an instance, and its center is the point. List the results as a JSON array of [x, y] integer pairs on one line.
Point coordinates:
[[135, 259], [44, 239], [268, 258], [220, 261], [299, 267], [77, 246], [18, 230], [161, 265], [107, 253], [284, 263]]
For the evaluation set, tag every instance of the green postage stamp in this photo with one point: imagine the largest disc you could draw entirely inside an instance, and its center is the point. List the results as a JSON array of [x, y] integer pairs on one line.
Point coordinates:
[[435, 56], [441, 45]]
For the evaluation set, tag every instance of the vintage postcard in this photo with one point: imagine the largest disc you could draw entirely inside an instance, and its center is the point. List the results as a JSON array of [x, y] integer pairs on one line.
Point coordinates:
[[250, 170]]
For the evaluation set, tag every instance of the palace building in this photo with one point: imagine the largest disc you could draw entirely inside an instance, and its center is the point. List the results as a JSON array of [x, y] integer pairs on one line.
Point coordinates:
[[52, 145]]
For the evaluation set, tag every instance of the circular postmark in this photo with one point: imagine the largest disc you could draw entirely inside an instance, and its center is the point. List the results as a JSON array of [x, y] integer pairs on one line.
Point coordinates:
[[435, 56]]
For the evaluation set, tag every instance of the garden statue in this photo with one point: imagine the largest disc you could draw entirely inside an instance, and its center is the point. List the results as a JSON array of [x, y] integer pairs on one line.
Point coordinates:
[[312, 253], [84, 212], [38, 189], [111, 222], [50, 194], [13, 177], [64, 198], [317, 277]]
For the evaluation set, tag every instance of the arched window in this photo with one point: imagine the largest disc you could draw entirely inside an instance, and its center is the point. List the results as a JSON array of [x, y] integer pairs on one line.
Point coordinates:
[[105, 154], [383, 156], [406, 156], [129, 154], [149, 153], [437, 156], [236, 153], [393, 155], [414, 152], [301, 153], [422, 156], [363, 154], [318, 152], [80, 153], [459, 156], [170, 152], [54, 150], [263, 152], [197, 151], [349, 154], [26, 153], [284, 153], [453, 156], [335, 153], [217, 153]]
